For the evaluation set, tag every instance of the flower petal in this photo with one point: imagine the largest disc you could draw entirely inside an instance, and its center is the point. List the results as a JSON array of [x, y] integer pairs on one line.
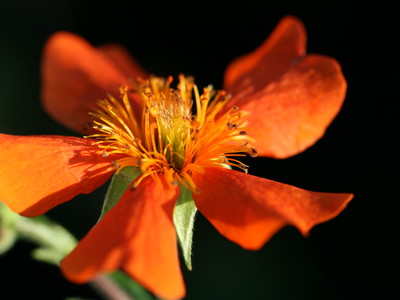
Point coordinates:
[[74, 76], [292, 99], [291, 114], [38, 173], [269, 61], [123, 61], [137, 235], [252, 209]]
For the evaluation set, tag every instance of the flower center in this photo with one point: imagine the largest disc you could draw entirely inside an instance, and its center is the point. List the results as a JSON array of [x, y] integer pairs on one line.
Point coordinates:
[[164, 136]]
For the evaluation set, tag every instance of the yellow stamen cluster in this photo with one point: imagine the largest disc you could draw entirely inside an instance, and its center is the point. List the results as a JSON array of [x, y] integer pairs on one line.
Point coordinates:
[[162, 136]]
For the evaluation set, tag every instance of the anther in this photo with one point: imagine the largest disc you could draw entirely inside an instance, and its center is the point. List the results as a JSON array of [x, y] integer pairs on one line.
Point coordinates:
[[243, 132], [115, 164], [253, 152], [135, 185], [88, 125], [233, 125], [244, 167]]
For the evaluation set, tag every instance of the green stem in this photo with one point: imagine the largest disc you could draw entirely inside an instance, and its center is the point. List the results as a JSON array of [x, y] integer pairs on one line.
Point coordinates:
[[109, 289]]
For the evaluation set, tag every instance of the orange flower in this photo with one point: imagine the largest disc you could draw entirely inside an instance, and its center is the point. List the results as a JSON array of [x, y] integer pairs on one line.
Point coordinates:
[[282, 102]]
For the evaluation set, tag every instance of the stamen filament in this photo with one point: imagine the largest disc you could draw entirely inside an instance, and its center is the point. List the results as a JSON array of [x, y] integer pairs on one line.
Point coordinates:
[[170, 140]]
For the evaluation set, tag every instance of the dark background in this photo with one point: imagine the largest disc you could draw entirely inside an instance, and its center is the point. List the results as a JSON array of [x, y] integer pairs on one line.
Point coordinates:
[[351, 257]]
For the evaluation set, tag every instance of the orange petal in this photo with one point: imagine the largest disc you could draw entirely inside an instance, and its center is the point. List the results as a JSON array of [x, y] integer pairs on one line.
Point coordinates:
[[136, 235], [291, 114], [74, 76], [38, 173], [292, 99], [123, 61], [249, 210], [269, 61]]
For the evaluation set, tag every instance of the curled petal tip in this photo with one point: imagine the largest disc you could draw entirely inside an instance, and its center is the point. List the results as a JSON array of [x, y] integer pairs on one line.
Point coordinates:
[[254, 209], [292, 98]]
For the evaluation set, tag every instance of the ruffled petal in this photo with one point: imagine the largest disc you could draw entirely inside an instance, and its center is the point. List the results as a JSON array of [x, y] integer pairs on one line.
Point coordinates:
[[291, 98], [248, 210], [38, 173], [123, 61], [137, 235], [74, 76], [269, 61]]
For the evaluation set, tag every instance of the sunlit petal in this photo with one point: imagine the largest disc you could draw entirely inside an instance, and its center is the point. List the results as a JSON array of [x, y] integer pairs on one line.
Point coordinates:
[[249, 210]]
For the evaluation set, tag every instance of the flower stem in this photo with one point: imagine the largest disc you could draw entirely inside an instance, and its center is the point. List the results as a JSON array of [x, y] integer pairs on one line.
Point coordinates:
[[109, 289]]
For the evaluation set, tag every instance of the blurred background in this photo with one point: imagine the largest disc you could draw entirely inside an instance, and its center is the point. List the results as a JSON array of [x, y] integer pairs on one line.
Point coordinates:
[[351, 257]]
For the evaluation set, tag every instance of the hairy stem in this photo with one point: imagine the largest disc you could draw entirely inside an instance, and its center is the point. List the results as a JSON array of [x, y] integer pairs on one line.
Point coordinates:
[[109, 289]]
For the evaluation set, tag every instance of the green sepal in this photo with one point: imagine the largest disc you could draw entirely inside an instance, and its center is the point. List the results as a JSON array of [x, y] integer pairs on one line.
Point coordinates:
[[119, 184], [184, 217]]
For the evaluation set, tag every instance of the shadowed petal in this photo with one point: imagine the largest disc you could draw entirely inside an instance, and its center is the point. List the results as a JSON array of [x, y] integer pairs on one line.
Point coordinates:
[[74, 76], [38, 173], [137, 235], [123, 61], [268, 62], [249, 210]]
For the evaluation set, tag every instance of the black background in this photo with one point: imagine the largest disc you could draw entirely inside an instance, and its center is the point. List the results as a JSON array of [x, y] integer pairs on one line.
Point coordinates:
[[351, 257]]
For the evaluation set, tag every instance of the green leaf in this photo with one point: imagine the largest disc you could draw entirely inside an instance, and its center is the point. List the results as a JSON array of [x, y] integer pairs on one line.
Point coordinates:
[[119, 184], [54, 241], [47, 255], [8, 233], [130, 287], [184, 217]]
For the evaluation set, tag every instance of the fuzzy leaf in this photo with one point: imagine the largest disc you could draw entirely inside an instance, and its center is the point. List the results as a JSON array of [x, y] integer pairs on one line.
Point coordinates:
[[8, 233], [119, 184], [54, 241], [184, 217]]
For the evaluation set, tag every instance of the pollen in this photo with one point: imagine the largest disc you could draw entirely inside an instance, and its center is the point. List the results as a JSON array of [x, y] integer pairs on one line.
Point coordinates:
[[171, 131]]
